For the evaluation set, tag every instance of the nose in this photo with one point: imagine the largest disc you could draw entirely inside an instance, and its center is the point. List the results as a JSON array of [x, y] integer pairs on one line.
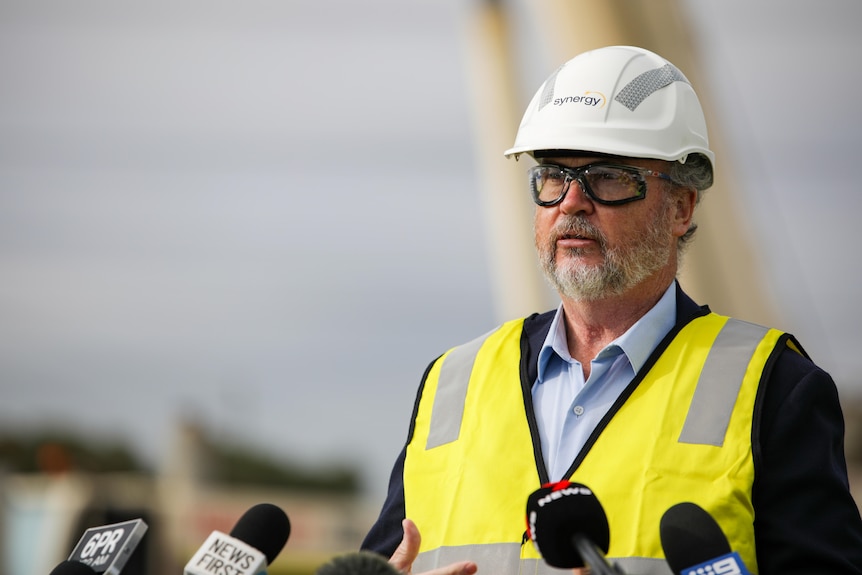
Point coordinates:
[[576, 200]]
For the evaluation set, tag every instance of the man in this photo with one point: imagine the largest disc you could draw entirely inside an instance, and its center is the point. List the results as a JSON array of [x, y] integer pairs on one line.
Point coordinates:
[[629, 387]]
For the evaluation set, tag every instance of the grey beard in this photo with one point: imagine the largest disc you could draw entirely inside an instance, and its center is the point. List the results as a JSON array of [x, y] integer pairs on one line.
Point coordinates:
[[623, 268]]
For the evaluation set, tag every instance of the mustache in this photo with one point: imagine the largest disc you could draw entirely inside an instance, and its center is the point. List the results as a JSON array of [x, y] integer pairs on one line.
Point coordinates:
[[577, 226]]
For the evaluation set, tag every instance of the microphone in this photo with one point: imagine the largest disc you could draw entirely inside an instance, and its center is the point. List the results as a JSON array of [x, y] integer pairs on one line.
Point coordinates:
[[694, 543], [569, 528], [358, 563], [72, 568], [254, 542], [103, 549]]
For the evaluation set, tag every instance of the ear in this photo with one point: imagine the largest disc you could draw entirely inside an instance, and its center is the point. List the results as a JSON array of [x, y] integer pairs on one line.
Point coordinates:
[[683, 203]]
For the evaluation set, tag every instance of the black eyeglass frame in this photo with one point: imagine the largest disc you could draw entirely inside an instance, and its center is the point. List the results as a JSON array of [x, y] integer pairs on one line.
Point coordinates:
[[578, 174]]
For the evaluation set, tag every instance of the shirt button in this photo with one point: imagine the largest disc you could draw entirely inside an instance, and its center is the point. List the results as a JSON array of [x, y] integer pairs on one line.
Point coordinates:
[[579, 410]]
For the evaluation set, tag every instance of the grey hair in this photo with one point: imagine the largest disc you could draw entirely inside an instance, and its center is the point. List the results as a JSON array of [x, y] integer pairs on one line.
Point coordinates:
[[695, 173]]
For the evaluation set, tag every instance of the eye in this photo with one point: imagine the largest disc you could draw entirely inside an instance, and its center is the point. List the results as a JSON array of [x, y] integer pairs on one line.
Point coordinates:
[[614, 176], [625, 179], [553, 174], [614, 183]]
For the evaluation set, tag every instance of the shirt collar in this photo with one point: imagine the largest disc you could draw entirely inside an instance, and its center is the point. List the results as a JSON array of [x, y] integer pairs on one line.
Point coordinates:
[[637, 343]]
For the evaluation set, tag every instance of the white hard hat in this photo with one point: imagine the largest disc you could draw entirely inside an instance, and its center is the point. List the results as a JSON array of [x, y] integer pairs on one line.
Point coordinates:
[[618, 100]]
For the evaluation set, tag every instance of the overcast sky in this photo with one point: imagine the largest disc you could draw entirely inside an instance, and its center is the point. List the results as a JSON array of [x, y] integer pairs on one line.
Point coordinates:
[[265, 214]]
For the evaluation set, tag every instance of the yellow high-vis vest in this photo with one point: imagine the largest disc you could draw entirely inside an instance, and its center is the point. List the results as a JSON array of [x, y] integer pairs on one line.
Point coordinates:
[[682, 434]]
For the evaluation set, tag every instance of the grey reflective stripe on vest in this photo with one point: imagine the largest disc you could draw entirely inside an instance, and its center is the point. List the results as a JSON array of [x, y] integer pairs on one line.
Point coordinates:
[[720, 380], [448, 409], [505, 559]]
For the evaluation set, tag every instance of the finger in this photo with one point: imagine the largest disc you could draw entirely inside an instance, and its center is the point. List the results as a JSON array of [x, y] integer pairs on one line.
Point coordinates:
[[461, 568], [403, 557]]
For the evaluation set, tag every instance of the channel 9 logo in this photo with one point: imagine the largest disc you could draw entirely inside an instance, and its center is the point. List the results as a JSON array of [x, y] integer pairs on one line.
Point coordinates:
[[729, 564]]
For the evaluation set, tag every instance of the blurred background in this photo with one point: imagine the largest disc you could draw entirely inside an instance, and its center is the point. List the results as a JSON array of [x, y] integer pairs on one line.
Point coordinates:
[[233, 235]]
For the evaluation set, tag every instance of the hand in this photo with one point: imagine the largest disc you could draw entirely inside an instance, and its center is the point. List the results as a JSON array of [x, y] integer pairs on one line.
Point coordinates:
[[408, 549]]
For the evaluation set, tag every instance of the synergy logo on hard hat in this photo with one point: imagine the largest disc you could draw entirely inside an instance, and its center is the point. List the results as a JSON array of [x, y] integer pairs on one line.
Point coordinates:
[[590, 99]]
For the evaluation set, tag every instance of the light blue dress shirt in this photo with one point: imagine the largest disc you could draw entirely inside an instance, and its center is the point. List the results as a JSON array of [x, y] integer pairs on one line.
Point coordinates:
[[569, 408]]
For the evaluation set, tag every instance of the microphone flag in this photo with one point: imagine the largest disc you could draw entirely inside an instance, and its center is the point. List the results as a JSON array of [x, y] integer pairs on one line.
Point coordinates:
[[106, 549], [729, 564], [222, 554]]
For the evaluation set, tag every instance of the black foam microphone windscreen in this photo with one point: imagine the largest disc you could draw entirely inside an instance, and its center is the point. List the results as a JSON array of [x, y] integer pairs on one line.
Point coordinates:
[[69, 567], [557, 513], [358, 563], [265, 527], [690, 536]]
